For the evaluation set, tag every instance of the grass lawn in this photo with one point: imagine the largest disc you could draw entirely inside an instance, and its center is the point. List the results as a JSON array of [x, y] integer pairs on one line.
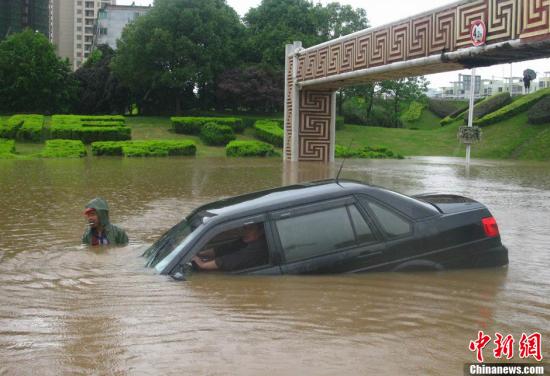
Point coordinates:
[[428, 121]]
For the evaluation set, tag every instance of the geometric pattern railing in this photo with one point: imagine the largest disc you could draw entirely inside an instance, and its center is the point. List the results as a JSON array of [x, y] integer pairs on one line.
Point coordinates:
[[445, 29]]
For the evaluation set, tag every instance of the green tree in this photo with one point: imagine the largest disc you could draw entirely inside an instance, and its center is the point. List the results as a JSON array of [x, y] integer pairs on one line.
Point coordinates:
[[32, 77], [171, 57], [405, 89], [99, 91], [275, 23]]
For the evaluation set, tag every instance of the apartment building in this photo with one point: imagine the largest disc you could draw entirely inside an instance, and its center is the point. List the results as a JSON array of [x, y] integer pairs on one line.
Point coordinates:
[[111, 21], [73, 27], [16, 15]]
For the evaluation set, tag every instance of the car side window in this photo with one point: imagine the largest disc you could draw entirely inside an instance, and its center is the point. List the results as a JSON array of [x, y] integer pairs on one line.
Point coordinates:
[[362, 229], [392, 223], [315, 234]]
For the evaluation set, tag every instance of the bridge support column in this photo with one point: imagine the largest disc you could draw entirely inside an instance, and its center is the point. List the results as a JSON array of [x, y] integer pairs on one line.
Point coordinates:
[[310, 116]]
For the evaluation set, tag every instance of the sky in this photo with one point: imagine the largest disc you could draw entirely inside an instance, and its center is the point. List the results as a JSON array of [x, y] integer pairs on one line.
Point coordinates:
[[387, 11]]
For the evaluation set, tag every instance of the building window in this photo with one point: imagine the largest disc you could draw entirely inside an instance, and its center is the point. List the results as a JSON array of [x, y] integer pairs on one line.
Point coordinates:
[[102, 31], [79, 46], [79, 11], [79, 20], [79, 28]]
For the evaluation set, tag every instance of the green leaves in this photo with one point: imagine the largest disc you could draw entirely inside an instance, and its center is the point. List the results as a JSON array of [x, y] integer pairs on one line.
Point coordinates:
[[32, 77]]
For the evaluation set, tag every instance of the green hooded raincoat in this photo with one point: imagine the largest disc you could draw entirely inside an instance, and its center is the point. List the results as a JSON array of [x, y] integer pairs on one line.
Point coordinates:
[[114, 234]]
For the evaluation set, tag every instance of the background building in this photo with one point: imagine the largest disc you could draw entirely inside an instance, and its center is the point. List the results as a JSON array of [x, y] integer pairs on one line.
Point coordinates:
[[16, 15], [73, 27], [111, 21]]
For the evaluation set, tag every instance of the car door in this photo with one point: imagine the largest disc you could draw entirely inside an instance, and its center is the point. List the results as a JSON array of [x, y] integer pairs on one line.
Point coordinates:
[[229, 231], [326, 237]]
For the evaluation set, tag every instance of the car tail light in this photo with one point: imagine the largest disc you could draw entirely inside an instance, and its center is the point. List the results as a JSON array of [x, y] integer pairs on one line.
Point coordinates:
[[490, 227]]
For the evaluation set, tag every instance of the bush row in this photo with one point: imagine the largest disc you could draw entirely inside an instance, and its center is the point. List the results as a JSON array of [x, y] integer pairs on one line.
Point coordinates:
[[414, 112], [489, 105], [519, 105], [443, 108], [540, 112], [79, 119], [249, 149], [89, 134], [160, 148], [270, 132], [216, 134], [24, 128], [371, 152], [63, 149], [193, 125], [7, 148]]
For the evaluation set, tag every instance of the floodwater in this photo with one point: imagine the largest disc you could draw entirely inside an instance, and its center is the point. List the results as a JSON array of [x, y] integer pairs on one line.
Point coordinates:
[[69, 309]]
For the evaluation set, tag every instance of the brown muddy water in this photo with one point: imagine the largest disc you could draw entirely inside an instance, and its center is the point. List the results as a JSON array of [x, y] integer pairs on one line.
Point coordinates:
[[69, 309]]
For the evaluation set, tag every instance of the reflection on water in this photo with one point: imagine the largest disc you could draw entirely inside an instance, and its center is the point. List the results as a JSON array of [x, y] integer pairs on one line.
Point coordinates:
[[65, 308]]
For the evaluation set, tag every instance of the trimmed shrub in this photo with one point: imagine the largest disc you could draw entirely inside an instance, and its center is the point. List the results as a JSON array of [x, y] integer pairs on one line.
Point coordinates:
[[216, 134], [488, 105], [540, 112], [88, 128], [339, 123], [157, 148], [270, 132], [249, 149], [519, 105], [63, 149], [95, 123], [89, 134], [367, 152], [7, 148], [414, 112], [441, 107], [193, 125], [24, 128], [458, 113]]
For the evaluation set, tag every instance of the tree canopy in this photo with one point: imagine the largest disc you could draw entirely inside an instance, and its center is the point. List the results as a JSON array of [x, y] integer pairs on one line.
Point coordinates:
[[32, 77], [178, 48], [275, 23]]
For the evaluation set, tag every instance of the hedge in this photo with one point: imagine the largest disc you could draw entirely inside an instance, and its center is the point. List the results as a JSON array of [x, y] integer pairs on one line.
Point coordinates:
[[270, 132], [249, 149], [24, 128], [89, 134], [540, 112], [458, 113], [193, 125], [371, 152], [216, 134], [158, 148], [79, 119], [414, 112], [441, 108], [7, 148], [489, 105], [100, 123], [519, 105], [63, 149]]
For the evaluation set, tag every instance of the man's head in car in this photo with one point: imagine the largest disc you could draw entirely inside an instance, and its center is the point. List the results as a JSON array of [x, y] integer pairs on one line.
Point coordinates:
[[252, 232]]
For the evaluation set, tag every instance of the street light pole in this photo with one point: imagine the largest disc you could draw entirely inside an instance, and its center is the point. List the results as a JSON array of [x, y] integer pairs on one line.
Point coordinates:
[[471, 112]]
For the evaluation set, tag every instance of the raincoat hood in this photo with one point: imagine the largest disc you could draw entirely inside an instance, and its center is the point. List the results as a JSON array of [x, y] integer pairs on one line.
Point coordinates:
[[102, 210]]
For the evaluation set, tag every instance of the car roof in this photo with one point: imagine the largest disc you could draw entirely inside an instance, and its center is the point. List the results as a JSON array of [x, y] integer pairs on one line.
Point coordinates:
[[296, 194]]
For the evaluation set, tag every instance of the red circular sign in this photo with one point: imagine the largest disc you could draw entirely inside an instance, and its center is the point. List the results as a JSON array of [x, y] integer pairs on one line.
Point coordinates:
[[478, 33]]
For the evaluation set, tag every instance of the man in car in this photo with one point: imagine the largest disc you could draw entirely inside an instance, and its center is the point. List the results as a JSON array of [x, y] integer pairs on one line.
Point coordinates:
[[100, 231], [250, 250]]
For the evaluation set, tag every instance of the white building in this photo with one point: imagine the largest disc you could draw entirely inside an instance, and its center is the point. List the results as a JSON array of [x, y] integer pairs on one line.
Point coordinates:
[[73, 27], [111, 21]]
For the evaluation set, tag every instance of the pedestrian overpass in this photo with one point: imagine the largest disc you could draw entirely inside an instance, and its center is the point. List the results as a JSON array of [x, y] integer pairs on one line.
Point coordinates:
[[441, 40]]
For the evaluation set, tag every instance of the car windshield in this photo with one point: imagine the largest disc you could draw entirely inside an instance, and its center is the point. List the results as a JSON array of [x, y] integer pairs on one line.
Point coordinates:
[[173, 237]]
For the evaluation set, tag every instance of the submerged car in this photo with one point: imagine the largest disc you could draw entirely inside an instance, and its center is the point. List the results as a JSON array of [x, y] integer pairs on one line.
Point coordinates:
[[330, 226]]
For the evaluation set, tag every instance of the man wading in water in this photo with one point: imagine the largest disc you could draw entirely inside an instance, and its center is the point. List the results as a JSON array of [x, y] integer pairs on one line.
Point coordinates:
[[100, 231]]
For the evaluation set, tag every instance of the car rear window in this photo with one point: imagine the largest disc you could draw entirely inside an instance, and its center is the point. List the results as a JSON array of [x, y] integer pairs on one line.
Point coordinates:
[[393, 224]]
